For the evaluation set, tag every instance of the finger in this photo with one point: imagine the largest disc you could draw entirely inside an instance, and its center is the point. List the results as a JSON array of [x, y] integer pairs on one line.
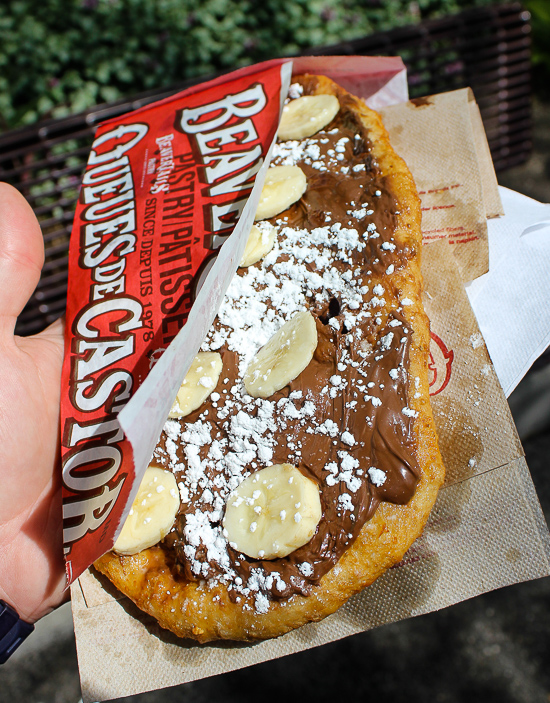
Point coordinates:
[[21, 252]]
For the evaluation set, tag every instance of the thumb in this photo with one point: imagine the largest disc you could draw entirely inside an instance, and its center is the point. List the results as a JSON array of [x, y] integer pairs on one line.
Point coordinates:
[[21, 252]]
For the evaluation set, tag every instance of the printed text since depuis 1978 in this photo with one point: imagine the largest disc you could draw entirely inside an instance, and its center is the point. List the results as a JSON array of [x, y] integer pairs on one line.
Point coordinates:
[[175, 246]]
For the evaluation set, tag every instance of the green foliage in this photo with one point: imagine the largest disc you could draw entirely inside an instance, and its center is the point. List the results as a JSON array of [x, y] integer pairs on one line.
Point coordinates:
[[63, 56]]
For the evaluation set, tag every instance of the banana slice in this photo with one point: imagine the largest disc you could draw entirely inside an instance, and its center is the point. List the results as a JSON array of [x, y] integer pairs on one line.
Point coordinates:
[[283, 186], [260, 242], [272, 512], [200, 381], [283, 358], [152, 513], [307, 115]]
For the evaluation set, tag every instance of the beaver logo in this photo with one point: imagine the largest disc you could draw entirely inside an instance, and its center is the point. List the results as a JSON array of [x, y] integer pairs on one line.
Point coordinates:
[[439, 365]]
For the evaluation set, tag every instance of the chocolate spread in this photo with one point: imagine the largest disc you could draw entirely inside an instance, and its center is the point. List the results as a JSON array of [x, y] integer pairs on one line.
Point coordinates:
[[345, 420]]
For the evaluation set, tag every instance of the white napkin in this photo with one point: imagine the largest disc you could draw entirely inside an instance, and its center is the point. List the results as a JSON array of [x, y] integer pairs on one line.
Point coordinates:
[[512, 301]]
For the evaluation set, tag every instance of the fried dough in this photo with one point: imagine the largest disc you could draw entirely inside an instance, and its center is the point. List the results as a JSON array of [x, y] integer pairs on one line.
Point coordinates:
[[206, 605]]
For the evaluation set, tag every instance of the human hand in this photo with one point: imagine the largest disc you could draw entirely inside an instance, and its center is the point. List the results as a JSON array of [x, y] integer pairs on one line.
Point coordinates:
[[32, 574]]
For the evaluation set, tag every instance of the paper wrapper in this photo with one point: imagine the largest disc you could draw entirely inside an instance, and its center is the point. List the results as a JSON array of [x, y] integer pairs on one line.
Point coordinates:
[[486, 530], [518, 282], [458, 188], [163, 191], [465, 549]]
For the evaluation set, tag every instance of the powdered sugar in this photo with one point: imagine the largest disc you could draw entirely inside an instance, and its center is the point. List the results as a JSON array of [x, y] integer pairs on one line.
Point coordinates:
[[305, 270], [377, 476]]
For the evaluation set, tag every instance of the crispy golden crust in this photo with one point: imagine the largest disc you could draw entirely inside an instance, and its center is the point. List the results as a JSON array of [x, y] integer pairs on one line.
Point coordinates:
[[190, 609]]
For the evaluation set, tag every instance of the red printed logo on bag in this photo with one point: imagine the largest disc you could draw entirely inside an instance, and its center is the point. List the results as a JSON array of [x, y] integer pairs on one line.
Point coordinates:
[[439, 365], [162, 191]]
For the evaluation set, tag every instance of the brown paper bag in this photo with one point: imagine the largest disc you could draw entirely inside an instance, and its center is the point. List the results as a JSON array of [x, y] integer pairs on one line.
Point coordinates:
[[464, 550], [458, 189]]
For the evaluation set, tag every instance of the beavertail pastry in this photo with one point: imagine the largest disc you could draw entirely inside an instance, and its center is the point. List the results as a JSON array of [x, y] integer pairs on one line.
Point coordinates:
[[302, 442]]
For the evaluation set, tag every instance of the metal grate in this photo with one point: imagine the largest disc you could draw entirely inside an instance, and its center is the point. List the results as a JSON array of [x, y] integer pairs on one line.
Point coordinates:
[[485, 48]]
